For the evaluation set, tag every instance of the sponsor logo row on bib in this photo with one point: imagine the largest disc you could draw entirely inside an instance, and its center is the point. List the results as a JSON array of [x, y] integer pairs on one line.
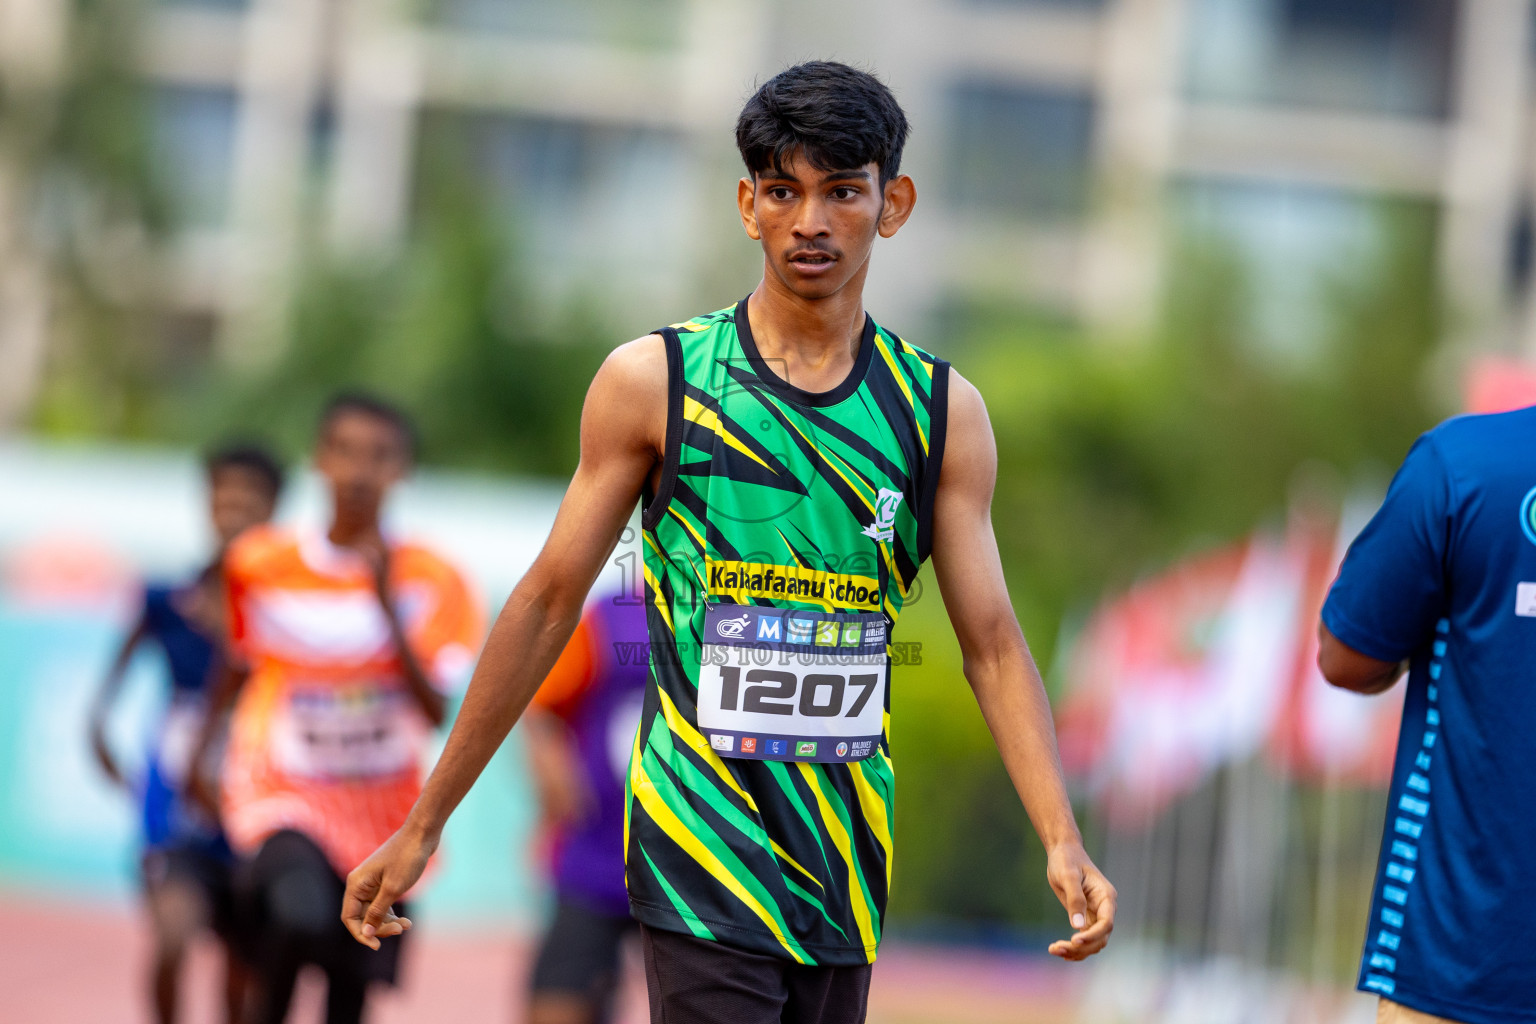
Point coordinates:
[[789, 749], [805, 628]]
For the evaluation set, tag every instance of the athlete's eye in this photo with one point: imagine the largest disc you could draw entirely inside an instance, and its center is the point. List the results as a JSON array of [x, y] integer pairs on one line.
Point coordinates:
[[844, 192], [781, 193]]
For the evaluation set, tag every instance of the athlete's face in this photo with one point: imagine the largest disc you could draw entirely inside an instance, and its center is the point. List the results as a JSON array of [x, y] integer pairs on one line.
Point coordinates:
[[238, 499], [361, 456], [818, 227]]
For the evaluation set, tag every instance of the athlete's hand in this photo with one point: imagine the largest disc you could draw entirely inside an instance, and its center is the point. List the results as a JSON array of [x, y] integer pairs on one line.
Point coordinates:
[[204, 796], [1088, 897], [376, 553], [105, 760], [377, 883]]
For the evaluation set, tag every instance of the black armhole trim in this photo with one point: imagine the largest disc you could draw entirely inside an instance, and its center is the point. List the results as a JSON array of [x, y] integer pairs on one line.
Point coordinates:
[[938, 431], [651, 514]]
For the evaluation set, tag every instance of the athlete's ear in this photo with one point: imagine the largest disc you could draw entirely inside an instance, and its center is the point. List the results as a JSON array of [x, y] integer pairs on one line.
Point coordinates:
[[746, 202], [900, 197]]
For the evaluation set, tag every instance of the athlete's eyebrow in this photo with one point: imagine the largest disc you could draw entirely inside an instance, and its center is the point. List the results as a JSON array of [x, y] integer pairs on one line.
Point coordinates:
[[853, 174], [774, 174]]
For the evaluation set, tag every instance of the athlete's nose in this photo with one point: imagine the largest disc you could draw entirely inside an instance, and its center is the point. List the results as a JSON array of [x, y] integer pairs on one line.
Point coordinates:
[[811, 220]]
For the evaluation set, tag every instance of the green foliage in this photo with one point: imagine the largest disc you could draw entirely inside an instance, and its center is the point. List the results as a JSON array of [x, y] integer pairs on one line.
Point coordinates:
[[81, 155], [1113, 460], [441, 332]]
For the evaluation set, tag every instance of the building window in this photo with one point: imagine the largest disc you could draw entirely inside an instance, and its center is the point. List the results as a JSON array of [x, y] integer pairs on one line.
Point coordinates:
[[193, 140], [1294, 250], [1021, 151], [1384, 56], [582, 204], [1086, 5], [1082, 5], [643, 23], [221, 5]]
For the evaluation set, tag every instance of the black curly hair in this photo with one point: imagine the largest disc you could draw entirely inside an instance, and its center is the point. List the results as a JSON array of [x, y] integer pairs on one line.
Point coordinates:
[[837, 117]]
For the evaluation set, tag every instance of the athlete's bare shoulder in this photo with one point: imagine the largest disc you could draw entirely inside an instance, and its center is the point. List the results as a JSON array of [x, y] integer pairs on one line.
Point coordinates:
[[627, 403], [970, 450], [641, 362], [967, 411]]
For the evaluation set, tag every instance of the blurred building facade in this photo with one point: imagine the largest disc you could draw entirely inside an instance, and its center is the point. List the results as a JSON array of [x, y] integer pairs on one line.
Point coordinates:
[[1058, 146]]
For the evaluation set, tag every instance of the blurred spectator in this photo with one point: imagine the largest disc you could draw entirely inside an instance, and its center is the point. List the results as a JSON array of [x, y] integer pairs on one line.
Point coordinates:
[[186, 861], [350, 640], [580, 728]]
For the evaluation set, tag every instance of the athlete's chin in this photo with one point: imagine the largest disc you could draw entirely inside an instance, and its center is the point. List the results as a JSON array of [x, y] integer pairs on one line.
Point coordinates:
[[815, 285]]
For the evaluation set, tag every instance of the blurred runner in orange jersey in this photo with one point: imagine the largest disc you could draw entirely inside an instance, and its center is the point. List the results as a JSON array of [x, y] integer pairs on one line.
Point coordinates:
[[351, 640], [186, 862]]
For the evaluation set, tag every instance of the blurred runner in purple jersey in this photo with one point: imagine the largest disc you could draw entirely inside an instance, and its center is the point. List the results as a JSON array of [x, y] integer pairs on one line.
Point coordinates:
[[580, 728]]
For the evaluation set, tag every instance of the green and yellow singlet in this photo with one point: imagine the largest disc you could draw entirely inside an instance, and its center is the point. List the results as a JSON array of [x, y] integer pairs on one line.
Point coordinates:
[[786, 533]]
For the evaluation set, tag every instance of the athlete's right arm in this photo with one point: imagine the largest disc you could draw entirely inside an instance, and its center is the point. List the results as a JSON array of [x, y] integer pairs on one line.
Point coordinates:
[[1348, 669], [101, 707], [623, 432]]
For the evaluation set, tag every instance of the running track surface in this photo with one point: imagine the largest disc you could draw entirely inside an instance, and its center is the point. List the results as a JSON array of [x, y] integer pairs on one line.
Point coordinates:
[[67, 963]]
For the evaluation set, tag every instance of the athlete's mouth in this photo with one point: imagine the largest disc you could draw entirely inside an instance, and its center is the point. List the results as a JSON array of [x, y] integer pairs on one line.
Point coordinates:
[[811, 258]]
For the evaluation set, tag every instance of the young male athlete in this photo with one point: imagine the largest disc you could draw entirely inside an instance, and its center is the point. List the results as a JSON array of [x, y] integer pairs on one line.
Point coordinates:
[[579, 729], [1444, 580], [186, 862], [350, 638], [799, 463]]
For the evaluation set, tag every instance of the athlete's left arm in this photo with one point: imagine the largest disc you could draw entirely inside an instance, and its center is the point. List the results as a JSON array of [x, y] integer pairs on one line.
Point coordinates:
[[427, 696], [1001, 670]]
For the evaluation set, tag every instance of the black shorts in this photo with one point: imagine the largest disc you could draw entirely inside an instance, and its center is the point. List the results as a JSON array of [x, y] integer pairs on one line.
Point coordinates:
[[197, 866], [580, 955], [695, 981], [288, 898]]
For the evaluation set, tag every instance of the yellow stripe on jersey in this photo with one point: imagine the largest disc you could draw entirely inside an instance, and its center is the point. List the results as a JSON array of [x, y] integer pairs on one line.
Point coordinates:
[[634, 764], [662, 814], [694, 740], [707, 418], [844, 844], [901, 381], [876, 815], [786, 858], [660, 599]]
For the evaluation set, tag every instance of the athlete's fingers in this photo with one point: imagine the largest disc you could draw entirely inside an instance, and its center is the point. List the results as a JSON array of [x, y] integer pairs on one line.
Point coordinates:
[[1102, 901], [1069, 949], [393, 924], [380, 921], [1098, 931], [357, 905], [1070, 891]]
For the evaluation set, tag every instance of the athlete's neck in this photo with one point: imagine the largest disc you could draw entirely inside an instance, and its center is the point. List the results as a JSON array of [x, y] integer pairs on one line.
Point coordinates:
[[349, 531], [812, 342]]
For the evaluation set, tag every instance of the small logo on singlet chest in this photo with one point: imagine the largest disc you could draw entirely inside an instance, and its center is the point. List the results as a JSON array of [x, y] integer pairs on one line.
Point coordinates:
[[886, 504]]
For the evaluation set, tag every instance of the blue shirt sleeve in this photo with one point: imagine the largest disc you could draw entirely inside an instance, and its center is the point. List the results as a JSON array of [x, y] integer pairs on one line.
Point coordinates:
[[1391, 587], [157, 599]]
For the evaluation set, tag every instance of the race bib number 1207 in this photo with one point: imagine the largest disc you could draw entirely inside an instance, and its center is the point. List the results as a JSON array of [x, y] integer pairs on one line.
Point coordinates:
[[782, 684]]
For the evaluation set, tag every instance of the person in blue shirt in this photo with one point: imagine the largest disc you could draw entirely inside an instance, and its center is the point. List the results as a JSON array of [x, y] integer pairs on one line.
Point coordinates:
[[1442, 583], [186, 863]]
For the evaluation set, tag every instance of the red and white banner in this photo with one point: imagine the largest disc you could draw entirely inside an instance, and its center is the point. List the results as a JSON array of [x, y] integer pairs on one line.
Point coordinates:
[[1499, 384], [1211, 662], [1185, 672], [1326, 734]]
